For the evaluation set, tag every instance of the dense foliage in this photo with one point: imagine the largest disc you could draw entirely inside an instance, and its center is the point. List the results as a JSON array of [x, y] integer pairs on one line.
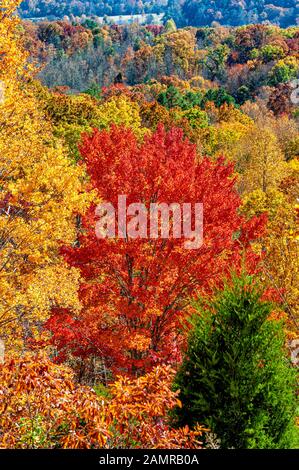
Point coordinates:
[[231, 12], [256, 60], [241, 383], [42, 407], [57, 9], [133, 317]]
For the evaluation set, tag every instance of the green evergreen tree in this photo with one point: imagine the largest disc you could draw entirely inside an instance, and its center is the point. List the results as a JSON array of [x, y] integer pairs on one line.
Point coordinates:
[[236, 377], [171, 98]]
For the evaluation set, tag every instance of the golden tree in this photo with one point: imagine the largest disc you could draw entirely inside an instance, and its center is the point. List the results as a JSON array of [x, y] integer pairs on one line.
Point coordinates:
[[40, 191], [42, 407]]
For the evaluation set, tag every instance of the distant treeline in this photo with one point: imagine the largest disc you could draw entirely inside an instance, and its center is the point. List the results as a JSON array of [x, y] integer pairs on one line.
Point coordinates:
[[184, 12], [57, 8]]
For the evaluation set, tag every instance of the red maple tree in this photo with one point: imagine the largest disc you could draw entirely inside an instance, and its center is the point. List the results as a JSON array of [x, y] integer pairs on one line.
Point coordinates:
[[135, 292]]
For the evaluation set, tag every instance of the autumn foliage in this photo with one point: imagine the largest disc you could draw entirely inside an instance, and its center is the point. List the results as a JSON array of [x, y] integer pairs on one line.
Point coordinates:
[[135, 291], [93, 330], [42, 407]]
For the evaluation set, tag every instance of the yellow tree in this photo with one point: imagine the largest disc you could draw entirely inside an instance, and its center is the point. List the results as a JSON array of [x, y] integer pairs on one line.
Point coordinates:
[[40, 192], [73, 115], [260, 161], [280, 265], [283, 126]]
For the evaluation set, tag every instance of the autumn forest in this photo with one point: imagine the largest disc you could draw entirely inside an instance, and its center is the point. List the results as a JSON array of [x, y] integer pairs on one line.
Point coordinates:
[[143, 338]]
